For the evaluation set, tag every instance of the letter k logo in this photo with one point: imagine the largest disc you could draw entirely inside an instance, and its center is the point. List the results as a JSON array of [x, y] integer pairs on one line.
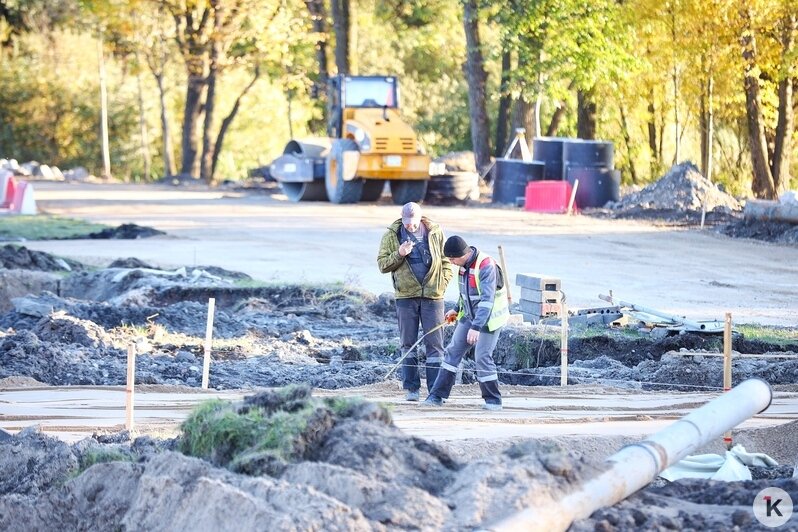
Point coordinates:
[[772, 506]]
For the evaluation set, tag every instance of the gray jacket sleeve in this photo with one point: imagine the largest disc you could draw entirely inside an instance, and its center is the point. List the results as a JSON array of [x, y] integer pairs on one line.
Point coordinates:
[[488, 276]]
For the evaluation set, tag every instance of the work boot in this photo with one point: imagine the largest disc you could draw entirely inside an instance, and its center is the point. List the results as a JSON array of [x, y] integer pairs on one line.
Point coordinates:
[[412, 396], [492, 406], [432, 400]]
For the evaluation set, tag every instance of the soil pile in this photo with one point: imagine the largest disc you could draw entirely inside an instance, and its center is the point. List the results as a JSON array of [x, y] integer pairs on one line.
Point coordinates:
[[125, 232], [683, 188], [285, 459], [678, 197], [769, 231], [21, 258]]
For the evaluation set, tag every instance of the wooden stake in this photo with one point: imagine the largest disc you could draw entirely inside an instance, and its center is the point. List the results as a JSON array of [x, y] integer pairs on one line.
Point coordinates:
[[572, 198], [206, 362], [506, 276], [727, 367], [563, 342], [129, 388]]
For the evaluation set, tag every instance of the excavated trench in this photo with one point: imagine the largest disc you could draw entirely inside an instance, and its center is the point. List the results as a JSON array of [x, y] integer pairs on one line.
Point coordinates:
[[335, 466]]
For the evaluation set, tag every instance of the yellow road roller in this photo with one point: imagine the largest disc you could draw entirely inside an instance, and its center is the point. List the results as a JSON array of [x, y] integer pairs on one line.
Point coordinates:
[[368, 144]]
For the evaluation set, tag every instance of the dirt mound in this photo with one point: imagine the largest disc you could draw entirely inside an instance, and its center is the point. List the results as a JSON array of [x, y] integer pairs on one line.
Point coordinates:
[[679, 195], [125, 232], [689, 504], [769, 231], [21, 258], [267, 458], [59, 327]]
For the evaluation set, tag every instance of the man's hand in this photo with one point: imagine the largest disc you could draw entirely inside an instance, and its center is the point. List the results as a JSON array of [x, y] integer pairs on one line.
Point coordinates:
[[451, 317], [405, 248], [472, 337]]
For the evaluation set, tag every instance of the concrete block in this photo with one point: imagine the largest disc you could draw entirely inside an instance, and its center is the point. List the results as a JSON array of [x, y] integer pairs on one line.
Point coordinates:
[[598, 310], [540, 296], [537, 281], [539, 309]]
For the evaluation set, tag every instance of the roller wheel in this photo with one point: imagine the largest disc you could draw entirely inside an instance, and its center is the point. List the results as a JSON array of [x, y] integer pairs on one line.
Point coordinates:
[[405, 191], [338, 190], [372, 189], [313, 191]]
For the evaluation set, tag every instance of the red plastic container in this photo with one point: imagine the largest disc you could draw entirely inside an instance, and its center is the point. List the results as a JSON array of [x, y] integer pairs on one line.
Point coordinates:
[[547, 196]]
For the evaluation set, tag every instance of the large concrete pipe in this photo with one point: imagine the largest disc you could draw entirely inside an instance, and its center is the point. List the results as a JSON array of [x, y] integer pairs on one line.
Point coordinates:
[[636, 465]]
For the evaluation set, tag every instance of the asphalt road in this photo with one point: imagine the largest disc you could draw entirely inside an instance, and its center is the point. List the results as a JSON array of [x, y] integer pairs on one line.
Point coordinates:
[[698, 274]]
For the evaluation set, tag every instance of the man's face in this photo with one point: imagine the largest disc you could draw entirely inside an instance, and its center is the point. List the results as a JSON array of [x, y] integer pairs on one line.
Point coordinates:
[[412, 226], [459, 261]]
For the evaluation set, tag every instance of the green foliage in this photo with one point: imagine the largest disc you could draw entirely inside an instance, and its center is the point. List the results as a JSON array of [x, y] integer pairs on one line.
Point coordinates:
[[101, 456], [49, 106], [774, 335], [43, 227]]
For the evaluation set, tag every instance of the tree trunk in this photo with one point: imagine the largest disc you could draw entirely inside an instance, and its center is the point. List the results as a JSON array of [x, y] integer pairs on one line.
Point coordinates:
[[706, 119], [145, 137], [503, 116], [319, 16], [206, 167], [652, 134], [191, 114], [523, 117], [556, 118], [627, 140], [475, 72], [229, 120], [762, 184], [168, 157], [340, 15], [784, 128], [675, 79], [585, 115]]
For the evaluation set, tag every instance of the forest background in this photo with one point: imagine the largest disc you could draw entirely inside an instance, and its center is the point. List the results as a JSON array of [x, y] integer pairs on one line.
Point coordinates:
[[213, 88]]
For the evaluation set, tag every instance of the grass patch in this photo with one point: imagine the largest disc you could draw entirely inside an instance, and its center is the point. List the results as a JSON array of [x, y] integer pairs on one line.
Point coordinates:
[[266, 432], [773, 335], [42, 227], [101, 456]]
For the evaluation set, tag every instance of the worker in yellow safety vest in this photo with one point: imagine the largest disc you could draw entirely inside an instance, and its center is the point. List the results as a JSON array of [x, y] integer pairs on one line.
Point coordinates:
[[482, 311]]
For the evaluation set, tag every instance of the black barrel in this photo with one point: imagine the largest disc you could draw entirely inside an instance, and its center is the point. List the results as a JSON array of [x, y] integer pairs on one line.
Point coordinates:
[[510, 177], [549, 150], [579, 152], [597, 185]]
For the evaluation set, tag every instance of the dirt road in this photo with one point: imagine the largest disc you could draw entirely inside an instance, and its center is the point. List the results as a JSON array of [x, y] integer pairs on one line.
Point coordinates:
[[699, 274]]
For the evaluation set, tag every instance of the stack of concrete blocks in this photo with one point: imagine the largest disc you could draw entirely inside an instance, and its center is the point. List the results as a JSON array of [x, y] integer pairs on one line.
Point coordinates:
[[540, 296]]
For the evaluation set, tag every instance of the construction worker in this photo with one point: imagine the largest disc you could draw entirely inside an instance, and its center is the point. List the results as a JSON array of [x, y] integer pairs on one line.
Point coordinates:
[[412, 252], [482, 311]]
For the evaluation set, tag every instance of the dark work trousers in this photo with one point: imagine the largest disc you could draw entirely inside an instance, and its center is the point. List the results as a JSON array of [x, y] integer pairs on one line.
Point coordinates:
[[487, 376], [429, 312]]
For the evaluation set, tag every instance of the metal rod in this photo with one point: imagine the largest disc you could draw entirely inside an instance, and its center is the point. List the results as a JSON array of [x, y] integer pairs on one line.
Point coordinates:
[[634, 466], [399, 362]]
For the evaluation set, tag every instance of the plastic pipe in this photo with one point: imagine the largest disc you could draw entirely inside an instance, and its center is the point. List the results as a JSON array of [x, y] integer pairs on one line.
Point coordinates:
[[636, 465]]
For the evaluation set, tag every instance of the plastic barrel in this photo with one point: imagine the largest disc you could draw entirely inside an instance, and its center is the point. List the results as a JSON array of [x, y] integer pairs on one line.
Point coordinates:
[[510, 177], [550, 151], [579, 152], [597, 185]]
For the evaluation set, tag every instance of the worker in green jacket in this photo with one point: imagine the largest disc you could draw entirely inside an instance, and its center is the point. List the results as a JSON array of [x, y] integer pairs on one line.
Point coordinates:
[[412, 252]]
